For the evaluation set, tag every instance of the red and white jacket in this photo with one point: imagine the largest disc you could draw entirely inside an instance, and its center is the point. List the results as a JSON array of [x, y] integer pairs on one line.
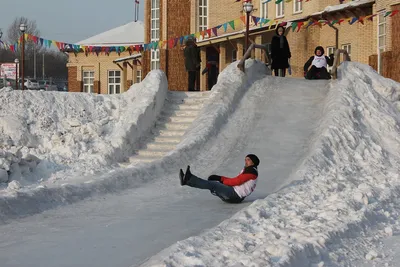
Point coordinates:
[[243, 184]]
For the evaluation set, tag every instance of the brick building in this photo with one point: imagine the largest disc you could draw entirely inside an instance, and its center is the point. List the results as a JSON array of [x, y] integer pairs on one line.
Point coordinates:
[[173, 18], [107, 71]]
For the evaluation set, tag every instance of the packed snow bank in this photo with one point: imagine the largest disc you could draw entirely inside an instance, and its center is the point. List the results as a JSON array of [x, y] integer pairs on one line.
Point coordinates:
[[232, 84], [44, 134], [349, 176]]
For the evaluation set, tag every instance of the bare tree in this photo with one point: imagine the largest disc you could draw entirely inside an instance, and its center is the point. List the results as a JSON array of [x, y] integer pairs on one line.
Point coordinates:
[[13, 32]]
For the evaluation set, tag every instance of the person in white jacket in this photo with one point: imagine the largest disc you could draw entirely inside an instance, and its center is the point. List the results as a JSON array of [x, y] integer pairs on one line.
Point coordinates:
[[319, 64], [231, 190]]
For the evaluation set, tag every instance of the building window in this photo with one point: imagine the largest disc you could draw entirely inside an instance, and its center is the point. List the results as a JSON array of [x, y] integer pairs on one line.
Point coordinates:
[[155, 33], [234, 55], [280, 9], [138, 76], [381, 31], [264, 9], [88, 81], [297, 6], [203, 12], [114, 81], [346, 47]]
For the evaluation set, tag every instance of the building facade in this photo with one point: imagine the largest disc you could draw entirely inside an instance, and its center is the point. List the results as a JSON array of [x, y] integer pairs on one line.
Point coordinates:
[[169, 19], [108, 63]]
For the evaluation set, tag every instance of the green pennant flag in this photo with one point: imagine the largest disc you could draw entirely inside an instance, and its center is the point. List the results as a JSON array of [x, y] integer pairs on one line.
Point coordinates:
[[155, 45], [334, 22], [387, 13], [232, 23], [278, 1], [294, 26]]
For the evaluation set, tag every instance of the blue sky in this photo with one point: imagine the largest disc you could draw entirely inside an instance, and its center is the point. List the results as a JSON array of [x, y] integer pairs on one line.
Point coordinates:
[[71, 20]]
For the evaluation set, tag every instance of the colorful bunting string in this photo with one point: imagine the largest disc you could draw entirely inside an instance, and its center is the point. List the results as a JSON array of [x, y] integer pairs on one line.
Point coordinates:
[[173, 42]]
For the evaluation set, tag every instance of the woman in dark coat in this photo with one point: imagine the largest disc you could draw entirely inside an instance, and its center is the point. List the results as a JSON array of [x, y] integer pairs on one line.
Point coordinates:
[[280, 52]]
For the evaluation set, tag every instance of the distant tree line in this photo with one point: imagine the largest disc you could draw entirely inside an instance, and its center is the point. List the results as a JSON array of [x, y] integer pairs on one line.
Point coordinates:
[[55, 62]]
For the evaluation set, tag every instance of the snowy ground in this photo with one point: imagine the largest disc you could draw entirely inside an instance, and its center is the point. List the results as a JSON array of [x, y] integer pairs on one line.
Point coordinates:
[[329, 151]]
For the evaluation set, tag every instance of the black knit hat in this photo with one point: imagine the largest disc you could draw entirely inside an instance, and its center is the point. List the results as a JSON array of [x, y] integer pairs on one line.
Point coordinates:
[[254, 159]]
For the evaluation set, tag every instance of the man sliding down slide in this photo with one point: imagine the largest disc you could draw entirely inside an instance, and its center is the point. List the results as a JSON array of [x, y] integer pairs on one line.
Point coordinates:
[[231, 190]]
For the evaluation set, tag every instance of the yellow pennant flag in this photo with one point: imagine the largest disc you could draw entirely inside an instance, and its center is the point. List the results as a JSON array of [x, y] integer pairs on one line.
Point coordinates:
[[237, 22], [160, 44], [197, 35]]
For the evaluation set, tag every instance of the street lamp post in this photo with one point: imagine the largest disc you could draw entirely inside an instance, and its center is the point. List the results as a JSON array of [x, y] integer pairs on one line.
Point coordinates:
[[22, 28], [16, 73], [248, 8]]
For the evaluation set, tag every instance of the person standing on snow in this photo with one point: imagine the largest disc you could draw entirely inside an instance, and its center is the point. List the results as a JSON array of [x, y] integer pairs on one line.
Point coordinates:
[[192, 62], [319, 64], [280, 52], [212, 70], [231, 190]]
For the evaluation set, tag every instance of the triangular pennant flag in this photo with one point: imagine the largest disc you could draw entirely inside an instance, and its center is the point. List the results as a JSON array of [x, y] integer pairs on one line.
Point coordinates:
[[145, 46], [181, 39], [294, 26], [394, 12], [361, 20], [202, 34], [333, 22], [288, 1], [340, 21], [255, 19], [208, 32], [387, 13], [225, 25], [215, 31], [243, 19], [171, 43], [160, 44], [232, 24], [176, 41], [155, 45], [353, 20], [41, 41], [299, 25], [197, 35], [278, 1]]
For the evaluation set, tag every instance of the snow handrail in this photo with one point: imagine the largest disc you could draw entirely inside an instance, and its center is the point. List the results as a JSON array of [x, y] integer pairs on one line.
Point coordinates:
[[248, 53], [336, 61]]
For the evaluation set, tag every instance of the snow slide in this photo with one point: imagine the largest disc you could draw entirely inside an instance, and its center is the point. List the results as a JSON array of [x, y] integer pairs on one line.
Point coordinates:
[[345, 183]]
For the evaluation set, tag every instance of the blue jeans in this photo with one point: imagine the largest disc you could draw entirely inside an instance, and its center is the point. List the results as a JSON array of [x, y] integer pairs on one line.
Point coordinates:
[[225, 192]]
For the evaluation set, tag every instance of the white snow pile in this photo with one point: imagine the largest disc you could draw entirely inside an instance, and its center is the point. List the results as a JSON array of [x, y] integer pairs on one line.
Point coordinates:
[[44, 135], [345, 184]]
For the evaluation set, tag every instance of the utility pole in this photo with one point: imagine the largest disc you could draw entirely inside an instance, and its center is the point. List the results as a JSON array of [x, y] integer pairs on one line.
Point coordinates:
[[43, 67], [136, 10], [34, 62]]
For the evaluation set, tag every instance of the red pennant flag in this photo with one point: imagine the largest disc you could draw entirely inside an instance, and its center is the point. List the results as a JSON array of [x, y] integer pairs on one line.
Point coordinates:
[[137, 48], [171, 43], [394, 12], [299, 25], [209, 33], [361, 20]]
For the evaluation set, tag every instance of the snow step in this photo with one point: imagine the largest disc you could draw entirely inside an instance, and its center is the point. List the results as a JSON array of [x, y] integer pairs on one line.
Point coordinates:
[[161, 146], [180, 119], [174, 133], [135, 159], [173, 125], [167, 139], [187, 107], [186, 94], [194, 100], [152, 153], [172, 112]]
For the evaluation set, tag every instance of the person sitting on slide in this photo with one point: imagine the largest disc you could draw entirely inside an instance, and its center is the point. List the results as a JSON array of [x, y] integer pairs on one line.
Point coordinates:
[[231, 190], [318, 64]]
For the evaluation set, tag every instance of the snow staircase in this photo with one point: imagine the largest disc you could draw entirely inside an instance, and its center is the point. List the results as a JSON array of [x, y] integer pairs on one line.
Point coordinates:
[[179, 111]]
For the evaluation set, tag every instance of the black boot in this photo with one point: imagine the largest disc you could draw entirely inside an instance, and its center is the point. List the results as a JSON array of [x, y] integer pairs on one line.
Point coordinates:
[[181, 176], [187, 175]]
